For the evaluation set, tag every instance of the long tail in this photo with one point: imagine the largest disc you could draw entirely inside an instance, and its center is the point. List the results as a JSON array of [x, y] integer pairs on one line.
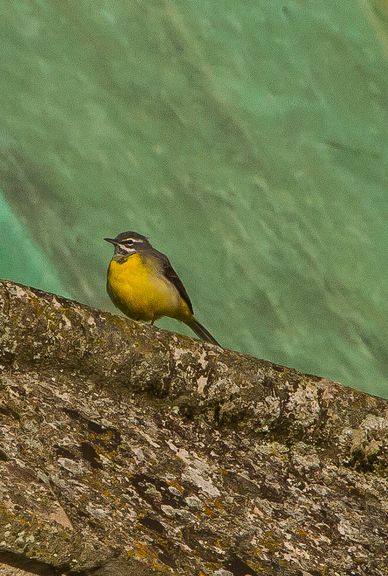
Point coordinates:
[[201, 331]]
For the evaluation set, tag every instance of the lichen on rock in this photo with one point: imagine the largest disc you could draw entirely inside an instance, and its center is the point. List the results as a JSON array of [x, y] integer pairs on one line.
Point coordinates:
[[125, 449]]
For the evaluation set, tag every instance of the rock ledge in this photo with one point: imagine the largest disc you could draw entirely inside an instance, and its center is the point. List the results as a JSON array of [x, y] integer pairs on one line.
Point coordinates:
[[125, 449]]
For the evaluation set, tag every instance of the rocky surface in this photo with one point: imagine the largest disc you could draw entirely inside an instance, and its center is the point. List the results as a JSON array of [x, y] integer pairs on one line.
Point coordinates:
[[127, 450]]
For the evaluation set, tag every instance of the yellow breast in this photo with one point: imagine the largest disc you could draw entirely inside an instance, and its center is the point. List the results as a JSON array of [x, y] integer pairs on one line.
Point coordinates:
[[138, 288]]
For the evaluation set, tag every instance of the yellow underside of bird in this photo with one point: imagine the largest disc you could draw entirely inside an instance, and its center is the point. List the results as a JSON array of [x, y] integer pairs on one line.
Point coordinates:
[[138, 288]]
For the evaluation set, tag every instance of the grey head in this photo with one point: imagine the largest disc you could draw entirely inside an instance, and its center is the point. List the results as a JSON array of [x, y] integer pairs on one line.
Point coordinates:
[[128, 243]]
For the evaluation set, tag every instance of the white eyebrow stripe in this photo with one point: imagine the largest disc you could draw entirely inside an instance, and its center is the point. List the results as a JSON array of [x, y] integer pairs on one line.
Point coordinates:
[[125, 247]]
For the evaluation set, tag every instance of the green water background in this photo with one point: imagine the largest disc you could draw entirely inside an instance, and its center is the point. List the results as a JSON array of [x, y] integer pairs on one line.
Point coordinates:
[[248, 140]]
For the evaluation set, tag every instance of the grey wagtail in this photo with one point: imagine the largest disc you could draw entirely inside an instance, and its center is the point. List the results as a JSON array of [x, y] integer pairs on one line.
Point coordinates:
[[144, 286]]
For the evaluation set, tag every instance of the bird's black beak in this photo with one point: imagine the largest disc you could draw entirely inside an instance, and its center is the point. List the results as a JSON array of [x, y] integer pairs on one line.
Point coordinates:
[[111, 240]]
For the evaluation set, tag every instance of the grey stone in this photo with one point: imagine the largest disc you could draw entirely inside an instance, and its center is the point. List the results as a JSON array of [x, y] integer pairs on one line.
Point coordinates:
[[125, 449]]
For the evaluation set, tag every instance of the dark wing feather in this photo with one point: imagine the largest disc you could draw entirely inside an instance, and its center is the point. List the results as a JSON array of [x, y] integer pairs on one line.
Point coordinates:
[[171, 275]]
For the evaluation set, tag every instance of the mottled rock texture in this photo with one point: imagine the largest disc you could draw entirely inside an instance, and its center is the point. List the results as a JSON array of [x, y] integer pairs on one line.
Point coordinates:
[[127, 450]]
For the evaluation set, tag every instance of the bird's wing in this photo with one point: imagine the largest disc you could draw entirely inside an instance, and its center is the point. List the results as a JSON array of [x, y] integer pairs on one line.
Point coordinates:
[[173, 277]]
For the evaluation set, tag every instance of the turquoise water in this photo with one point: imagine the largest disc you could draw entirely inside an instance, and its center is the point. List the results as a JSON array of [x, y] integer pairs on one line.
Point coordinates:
[[247, 140], [21, 259]]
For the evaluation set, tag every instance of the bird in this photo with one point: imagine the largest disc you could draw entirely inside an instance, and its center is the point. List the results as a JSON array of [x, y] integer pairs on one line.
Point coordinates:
[[142, 284]]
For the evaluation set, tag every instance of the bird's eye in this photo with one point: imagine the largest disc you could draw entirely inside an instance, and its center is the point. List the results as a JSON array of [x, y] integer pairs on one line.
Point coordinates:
[[129, 242]]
